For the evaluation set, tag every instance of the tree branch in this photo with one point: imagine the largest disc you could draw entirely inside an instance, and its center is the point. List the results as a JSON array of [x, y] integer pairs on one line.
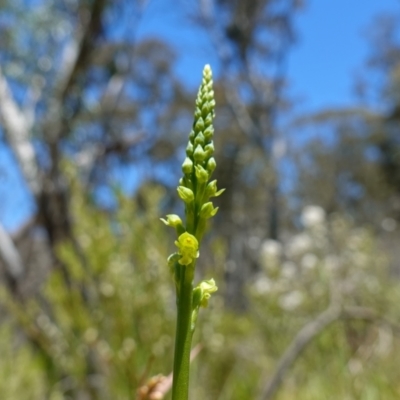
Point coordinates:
[[77, 53], [16, 131], [299, 343], [11, 258]]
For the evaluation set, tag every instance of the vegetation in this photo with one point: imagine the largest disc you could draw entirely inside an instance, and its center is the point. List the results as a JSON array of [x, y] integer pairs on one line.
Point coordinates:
[[304, 247]]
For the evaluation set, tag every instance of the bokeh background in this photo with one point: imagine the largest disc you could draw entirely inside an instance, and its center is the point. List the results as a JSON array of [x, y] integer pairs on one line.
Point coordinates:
[[96, 104]]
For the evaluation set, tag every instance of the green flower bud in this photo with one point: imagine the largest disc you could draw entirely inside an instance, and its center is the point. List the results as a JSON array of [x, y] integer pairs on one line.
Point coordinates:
[[185, 194], [188, 248], [199, 100], [199, 127], [189, 149], [207, 210], [206, 110], [201, 174], [199, 155], [199, 139], [187, 166], [211, 165], [210, 95], [172, 220], [207, 72], [208, 133], [192, 135], [209, 120], [209, 149], [211, 190]]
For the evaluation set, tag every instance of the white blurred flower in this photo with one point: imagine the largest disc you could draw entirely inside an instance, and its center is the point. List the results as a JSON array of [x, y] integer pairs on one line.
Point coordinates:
[[299, 244], [309, 261], [270, 252], [288, 269], [291, 301], [262, 285], [312, 216], [271, 248]]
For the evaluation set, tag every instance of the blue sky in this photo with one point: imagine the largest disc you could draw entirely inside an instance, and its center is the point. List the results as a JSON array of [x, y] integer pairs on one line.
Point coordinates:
[[331, 48]]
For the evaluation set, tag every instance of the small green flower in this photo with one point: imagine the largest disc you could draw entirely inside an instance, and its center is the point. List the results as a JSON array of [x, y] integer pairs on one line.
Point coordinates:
[[188, 248], [208, 210], [203, 292], [185, 194], [212, 191], [174, 221]]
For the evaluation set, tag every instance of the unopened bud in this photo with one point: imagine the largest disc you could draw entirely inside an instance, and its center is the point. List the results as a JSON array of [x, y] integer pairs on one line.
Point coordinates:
[[211, 165], [199, 139], [199, 127], [189, 149], [210, 96], [199, 155], [201, 174], [209, 149], [212, 191], [185, 194], [208, 133], [187, 166], [209, 120]]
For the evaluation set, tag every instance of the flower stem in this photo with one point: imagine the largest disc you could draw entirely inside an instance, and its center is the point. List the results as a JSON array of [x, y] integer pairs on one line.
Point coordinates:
[[183, 338]]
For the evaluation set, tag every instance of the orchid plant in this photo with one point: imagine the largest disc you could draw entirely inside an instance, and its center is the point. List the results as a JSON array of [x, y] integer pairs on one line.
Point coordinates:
[[195, 189]]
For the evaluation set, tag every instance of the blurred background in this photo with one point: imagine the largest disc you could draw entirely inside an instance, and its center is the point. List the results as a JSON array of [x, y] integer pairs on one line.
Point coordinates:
[[96, 104]]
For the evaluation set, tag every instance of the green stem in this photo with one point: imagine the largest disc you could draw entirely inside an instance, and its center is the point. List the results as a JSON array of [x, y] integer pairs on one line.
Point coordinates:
[[183, 338]]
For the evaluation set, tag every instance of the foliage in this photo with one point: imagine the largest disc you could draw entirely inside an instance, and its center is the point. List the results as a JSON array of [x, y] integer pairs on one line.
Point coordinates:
[[112, 319], [107, 342]]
